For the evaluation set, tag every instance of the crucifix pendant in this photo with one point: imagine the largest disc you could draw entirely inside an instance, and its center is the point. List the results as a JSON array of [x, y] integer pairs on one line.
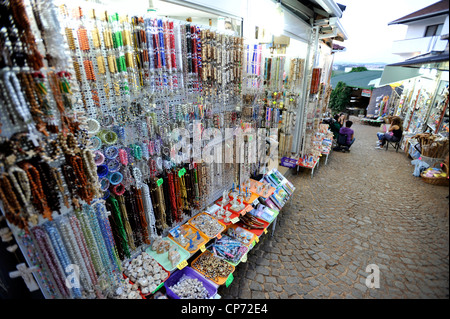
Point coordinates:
[[26, 274], [32, 136]]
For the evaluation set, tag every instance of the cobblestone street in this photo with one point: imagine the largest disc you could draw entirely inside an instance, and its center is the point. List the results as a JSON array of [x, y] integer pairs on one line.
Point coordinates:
[[364, 207]]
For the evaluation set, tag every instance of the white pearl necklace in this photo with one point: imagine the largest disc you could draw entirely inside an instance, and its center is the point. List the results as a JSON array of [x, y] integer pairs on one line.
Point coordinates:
[[13, 87], [18, 100], [137, 174], [148, 207]]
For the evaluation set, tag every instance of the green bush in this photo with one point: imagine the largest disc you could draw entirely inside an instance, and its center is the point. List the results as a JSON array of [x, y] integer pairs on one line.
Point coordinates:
[[359, 69], [340, 97]]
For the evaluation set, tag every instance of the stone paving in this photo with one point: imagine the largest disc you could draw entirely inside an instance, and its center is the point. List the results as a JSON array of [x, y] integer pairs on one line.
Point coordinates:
[[364, 207]]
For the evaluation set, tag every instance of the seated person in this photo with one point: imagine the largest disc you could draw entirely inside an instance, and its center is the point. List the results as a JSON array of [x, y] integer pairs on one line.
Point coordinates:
[[335, 127], [350, 133], [341, 119], [394, 134]]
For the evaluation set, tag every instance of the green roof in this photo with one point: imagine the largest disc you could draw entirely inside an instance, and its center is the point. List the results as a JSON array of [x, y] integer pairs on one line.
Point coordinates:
[[359, 80]]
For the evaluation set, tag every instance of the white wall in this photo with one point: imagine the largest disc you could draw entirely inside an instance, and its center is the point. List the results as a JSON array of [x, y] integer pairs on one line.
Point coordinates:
[[417, 29]]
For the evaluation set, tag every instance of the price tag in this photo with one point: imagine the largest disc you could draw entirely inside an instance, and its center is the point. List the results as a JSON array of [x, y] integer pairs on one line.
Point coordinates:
[[229, 280], [235, 220], [244, 258], [182, 264], [255, 202], [257, 239], [181, 172], [203, 248], [265, 231], [159, 182], [219, 236]]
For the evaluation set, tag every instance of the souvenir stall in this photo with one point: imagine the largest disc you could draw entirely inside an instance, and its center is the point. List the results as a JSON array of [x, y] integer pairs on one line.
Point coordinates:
[[438, 118], [315, 133], [108, 120], [423, 107], [283, 79]]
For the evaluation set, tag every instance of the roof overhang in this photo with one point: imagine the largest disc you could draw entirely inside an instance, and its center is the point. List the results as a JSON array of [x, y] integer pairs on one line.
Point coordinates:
[[431, 60], [424, 16], [414, 67]]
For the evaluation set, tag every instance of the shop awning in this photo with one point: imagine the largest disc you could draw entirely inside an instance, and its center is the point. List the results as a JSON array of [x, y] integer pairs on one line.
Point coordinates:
[[397, 72], [392, 74], [431, 60]]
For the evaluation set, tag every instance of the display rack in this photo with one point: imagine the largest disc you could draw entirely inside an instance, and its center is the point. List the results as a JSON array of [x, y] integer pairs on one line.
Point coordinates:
[[90, 173]]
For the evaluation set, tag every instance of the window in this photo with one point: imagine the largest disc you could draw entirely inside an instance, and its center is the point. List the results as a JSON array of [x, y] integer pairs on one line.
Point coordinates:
[[433, 30]]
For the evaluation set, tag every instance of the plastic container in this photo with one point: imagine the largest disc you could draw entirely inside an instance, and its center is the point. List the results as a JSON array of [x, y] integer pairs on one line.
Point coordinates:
[[190, 232], [289, 162], [253, 197], [240, 233], [157, 288], [163, 259], [190, 273], [191, 222], [242, 247], [255, 184], [258, 232], [220, 280], [232, 215], [265, 213]]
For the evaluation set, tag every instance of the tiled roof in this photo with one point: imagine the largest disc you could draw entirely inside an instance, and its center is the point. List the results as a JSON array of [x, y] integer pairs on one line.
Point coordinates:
[[356, 79], [437, 8]]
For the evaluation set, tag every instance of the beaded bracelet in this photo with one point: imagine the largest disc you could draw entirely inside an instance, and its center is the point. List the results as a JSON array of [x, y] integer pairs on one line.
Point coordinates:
[[93, 126], [115, 178], [102, 171], [151, 148], [106, 194], [137, 174], [145, 152], [123, 157], [104, 184], [119, 189], [107, 120], [99, 158], [120, 131], [137, 151], [113, 165], [96, 142], [111, 152], [108, 137]]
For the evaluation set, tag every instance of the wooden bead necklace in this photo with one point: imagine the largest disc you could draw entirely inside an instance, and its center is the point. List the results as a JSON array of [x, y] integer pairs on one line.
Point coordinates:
[[39, 198], [12, 205]]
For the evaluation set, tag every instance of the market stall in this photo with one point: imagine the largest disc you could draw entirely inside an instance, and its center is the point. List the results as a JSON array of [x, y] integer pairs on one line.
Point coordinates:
[[111, 136]]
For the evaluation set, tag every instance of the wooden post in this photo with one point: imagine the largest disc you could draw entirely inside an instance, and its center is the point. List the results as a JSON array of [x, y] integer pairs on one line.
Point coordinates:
[[442, 116], [413, 110]]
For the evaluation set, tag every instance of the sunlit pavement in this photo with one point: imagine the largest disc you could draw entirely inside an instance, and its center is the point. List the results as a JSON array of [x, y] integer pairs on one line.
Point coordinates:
[[363, 208]]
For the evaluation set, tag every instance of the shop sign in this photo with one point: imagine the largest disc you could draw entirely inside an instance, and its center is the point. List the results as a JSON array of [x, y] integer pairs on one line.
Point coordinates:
[[366, 93]]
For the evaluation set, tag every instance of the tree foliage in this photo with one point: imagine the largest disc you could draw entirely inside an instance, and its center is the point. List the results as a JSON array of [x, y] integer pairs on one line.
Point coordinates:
[[358, 69], [340, 97]]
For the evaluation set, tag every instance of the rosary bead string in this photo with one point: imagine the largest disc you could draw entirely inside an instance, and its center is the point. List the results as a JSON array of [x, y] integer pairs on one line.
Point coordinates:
[[54, 265]]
